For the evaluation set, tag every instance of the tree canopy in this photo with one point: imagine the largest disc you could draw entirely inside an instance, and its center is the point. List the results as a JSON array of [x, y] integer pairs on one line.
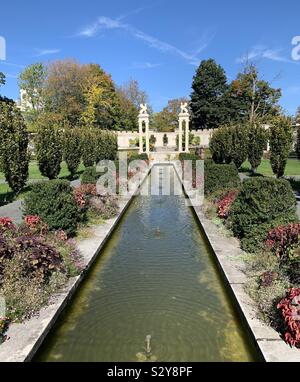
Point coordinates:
[[80, 95], [248, 98], [167, 119]]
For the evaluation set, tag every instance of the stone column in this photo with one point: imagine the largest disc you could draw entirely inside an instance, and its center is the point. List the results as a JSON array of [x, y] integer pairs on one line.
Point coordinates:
[[180, 136], [140, 135], [147, 138], [143, 119], [187, 135], [184, 117]]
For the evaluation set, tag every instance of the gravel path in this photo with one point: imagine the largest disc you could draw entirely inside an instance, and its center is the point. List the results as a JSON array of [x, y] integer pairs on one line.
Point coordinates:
[[14, 209]]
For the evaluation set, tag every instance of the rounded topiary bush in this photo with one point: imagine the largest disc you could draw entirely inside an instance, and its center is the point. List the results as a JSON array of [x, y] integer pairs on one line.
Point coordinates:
[[89, 176], [55, 204], [262, 204], [220, 176]]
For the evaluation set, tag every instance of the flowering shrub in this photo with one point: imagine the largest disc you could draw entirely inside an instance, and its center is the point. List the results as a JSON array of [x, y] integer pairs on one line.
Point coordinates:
[[267, 278], [225, 203], [32, 220], [83, 193], [6, 253], [61, 235], [6, 224], [105, 206], [40, 259], [282, 239], [35, 225], [290, 312]]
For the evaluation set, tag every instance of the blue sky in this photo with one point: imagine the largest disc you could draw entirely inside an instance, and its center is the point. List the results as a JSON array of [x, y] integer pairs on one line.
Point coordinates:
[[159, 43]]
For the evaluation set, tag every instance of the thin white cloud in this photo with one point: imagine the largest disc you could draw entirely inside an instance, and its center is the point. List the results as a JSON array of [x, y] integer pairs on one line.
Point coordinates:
[[8, 75], [261, 51], [46, 52], [12, 64], [107, 23], [144, 65], [134, 12]]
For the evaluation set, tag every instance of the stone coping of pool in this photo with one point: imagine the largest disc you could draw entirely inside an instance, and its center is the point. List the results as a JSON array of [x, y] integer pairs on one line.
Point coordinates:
[[24, 339], [228, 255]]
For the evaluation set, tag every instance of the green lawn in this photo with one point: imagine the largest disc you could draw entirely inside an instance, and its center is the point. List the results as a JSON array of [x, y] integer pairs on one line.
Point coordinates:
[[34, 172], [6, 195], [292, 167]]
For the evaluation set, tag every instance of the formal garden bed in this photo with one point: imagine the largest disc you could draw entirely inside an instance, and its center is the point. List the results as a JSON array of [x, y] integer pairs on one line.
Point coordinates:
[[38, 256], [261, 212]]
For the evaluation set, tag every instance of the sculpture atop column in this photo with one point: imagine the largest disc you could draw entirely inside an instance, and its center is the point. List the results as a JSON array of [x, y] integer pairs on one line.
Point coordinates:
[[184, 108], [143, 120], [143, 109], [184, 118]]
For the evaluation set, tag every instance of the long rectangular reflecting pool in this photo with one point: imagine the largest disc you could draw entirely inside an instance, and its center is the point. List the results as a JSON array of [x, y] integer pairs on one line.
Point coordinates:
[[155, 277]]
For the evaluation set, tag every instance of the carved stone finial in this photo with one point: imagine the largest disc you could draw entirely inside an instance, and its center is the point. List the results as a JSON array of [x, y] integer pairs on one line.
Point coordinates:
[[143, 110], [184, 108]]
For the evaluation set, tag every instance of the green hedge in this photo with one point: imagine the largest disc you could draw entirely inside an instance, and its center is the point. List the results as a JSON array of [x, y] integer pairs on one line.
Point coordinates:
[[54, 203], [220, 176], [188, 156], [89, 176], [262, 204], [135, 156]]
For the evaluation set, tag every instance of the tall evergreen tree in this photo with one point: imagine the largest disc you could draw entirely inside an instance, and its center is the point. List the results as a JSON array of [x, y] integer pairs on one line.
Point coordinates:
[[257, 141], [207, 98], [13, 146], [281, 142], [298, 143]]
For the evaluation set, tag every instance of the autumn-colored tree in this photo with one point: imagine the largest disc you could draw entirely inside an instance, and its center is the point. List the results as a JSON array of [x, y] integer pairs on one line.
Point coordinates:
[[64, 90], [101, 100], [134, 94], [130, 97]]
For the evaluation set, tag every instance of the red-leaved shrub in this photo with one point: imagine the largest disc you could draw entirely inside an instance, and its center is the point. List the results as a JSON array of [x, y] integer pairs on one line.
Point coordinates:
[[225, 203], [6, 224], [83, 193], [40, 259], [283, 238], [6, 253], [290, 311]]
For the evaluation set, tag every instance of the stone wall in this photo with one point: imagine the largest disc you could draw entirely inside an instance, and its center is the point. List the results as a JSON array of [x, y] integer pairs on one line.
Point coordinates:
[[124, 138]]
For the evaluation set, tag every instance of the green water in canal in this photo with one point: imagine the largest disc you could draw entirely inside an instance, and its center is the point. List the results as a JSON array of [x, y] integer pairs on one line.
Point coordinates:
[[155, 276]]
